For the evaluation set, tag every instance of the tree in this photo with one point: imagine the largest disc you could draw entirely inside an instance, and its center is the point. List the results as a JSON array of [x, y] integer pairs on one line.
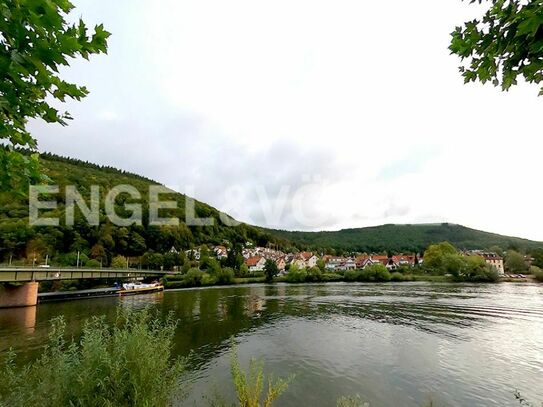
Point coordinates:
[[435, 256], [514, 262], [505, 43], [234, 258], [375, 272], [537, 255], [537, 272], [321, 265], [118, 262], [35, 41], [270, 270]]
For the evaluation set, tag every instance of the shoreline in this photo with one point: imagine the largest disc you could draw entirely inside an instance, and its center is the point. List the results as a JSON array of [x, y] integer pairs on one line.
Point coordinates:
[[55, 296]]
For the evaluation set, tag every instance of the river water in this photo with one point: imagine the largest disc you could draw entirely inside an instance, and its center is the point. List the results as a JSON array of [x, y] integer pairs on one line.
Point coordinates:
[[391, 344]]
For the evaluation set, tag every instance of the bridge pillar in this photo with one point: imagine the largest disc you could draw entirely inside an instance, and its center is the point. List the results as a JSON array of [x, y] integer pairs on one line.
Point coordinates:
[[19, 296]]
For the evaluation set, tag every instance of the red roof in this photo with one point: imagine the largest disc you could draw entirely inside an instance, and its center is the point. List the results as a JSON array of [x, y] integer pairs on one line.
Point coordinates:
[[253, 261], [306, 255]]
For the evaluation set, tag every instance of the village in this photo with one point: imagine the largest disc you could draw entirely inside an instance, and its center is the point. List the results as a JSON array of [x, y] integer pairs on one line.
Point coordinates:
[[255, 259]]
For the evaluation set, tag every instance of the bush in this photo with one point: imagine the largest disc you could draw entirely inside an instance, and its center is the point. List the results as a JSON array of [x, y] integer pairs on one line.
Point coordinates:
[[193, 278], [313, 275], [225, 276], [70, 259], [375, 273], [296, 275], [118, 262], [475, 269], [396, 276], [93, 264], [329, 277], [351, 275], [125, 364], [537, 272]]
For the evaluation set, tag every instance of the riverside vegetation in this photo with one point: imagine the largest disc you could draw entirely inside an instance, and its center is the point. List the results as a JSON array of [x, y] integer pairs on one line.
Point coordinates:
[[442, 263]]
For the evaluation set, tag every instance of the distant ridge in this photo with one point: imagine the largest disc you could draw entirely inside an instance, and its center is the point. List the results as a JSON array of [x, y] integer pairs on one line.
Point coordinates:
[[408, 237], [14, 230]]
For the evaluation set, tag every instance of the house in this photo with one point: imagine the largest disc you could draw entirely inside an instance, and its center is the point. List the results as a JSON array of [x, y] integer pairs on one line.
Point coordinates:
[[369, 261], [220, 252], [298, 262], [349, 264], [193, 254], [255, 263], [339, 263], [494, 260], [309, 258], [281, 264], [332, 263], [384, 260], [401, 260], [490, 258], [360, 261]]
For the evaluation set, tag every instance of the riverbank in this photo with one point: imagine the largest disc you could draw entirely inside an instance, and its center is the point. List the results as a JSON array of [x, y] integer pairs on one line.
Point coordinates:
[[242, 281]]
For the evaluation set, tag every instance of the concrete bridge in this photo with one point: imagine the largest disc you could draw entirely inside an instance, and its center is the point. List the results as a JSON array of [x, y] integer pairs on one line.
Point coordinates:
[[26, 294]]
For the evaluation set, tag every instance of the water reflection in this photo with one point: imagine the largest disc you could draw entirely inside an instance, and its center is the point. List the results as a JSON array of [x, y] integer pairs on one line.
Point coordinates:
[[22, 319], [392, 343]]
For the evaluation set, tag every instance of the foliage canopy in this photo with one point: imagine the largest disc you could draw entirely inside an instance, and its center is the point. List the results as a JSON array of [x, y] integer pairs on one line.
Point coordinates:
[[35, 42], [507, 42]]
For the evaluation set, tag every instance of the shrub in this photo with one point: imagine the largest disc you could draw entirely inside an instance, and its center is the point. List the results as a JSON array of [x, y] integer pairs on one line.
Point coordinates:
[[118, 262], [225, 276], [93, 264], [243, 271], [70, 259], [296, 275], [313, 275], [331, 277], [396, 276], [124, 364], [537, 272], [193, 278], [375, 273], [351, 275], [475, 269]]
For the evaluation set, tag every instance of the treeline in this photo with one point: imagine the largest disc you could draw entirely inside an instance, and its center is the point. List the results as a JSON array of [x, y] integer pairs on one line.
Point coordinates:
[[403, 238], [21, 243]]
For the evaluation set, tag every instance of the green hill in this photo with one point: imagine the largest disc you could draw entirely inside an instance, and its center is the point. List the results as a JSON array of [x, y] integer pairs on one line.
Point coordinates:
[[18, 239], [405, 238]]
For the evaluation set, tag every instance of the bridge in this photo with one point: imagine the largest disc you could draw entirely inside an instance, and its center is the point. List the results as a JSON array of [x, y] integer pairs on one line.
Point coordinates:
[[26, 294]]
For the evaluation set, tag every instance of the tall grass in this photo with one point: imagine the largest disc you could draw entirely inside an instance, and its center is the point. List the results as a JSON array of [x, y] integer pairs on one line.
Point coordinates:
[[250, 385], [127, 363]]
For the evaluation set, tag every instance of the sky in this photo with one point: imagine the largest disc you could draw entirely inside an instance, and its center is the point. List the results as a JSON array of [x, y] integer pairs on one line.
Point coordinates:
[[306, 114]]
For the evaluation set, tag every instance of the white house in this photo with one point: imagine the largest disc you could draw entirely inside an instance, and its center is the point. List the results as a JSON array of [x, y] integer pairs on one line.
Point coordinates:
[[255, 263]]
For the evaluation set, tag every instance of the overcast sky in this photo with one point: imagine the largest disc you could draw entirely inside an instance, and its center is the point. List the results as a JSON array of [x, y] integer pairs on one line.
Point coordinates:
[[351, 113]]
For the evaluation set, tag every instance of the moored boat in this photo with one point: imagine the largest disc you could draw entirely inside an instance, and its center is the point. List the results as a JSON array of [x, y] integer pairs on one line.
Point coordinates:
[[140, 288]]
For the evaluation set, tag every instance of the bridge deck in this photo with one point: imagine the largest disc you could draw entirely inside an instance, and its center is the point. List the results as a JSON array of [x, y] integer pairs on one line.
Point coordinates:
[[11, 275]]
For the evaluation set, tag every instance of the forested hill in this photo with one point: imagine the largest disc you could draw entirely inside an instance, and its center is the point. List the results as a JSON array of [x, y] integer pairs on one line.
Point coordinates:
[[103, 242], [19, 240], [405, 238]]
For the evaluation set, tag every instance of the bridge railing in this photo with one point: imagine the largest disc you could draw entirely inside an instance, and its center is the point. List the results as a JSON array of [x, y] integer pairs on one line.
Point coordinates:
[[24, 274]]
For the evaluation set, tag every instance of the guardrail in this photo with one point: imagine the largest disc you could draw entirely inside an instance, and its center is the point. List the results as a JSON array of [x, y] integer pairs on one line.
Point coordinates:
[[25, 274]]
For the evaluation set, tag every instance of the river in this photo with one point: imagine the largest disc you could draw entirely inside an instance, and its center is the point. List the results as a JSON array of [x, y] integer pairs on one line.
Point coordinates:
[[392, 344]]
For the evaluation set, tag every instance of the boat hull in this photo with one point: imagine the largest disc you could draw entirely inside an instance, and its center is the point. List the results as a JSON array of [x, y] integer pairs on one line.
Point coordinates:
[[145, 290]]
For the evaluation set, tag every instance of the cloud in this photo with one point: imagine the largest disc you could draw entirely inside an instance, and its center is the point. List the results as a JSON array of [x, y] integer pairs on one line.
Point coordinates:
[[369, 117]]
